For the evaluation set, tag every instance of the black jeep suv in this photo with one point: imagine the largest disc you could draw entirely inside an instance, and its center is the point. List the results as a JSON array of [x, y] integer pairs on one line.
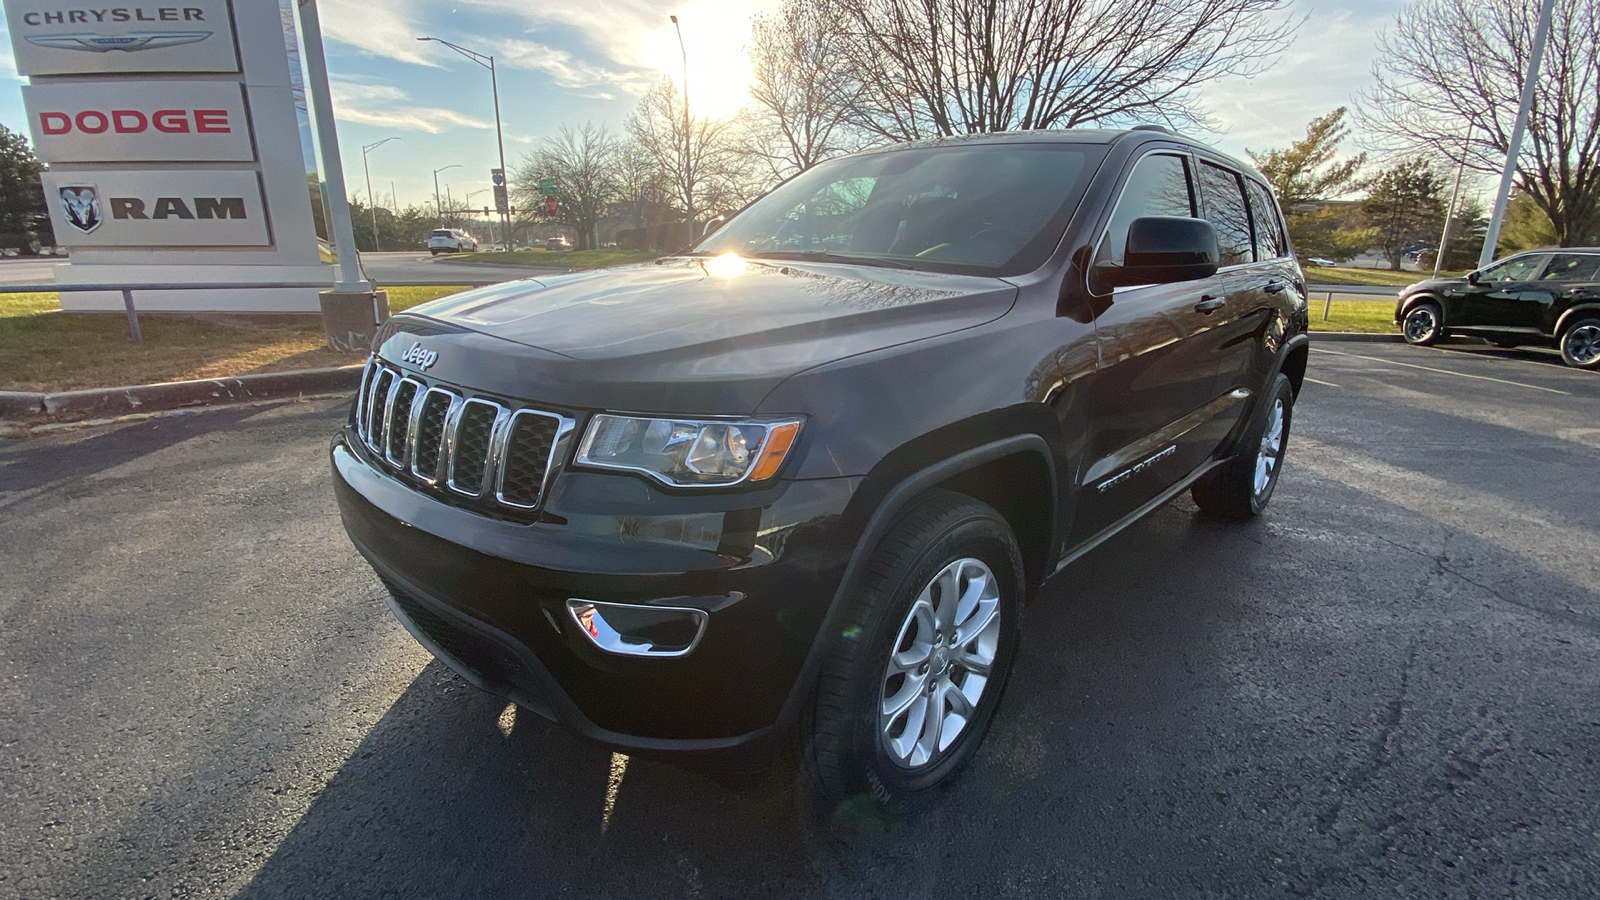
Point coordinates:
[[799, 481], [1546, 298]]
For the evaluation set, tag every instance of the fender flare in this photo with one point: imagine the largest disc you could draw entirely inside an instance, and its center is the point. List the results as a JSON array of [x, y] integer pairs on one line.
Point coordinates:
[[1574, 313], [878, 524]]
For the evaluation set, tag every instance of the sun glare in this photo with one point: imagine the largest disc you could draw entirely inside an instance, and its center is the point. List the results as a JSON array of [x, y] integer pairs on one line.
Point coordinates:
[[715, 33]]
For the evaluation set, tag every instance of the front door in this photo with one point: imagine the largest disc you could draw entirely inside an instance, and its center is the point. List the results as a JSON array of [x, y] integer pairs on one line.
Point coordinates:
[[1495, 300], [1150, 415]]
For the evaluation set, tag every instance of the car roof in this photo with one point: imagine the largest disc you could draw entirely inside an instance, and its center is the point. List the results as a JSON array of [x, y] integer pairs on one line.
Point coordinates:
[[1102, 136]]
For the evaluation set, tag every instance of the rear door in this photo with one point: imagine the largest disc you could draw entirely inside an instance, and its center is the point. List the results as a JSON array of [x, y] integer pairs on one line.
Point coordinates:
[[1562, 275], [1254, 270], [1149, 398]]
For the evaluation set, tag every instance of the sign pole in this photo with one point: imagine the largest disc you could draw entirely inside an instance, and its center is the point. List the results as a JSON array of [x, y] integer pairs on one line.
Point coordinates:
[[351, 280], [1529, 86]]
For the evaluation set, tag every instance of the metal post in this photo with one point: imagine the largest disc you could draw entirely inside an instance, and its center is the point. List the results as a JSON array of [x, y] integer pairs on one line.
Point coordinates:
[[500, 141], [1327, 307], [1529, 86], [1455, 194], [133, 316], [688, 146], [370, 205], [337, 196]]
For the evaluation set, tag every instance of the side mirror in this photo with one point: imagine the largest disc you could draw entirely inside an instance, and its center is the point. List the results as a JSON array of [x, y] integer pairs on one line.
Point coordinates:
[[1474, 277], [1164, 250], [713, 224]]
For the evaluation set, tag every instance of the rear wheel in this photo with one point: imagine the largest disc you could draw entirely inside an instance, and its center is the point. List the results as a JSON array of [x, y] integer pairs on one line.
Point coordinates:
[[1241, 487], [914, 678], [1580, 344], [1423, 324]]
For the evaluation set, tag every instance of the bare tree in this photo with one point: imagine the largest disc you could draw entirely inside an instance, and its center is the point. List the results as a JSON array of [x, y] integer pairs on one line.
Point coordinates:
[[800, 113], [1450, 66], [924, 68], [705, 172], [583, 163]]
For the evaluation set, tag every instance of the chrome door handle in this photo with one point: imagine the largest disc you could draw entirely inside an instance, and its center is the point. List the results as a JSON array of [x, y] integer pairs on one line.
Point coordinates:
[[1276, 287], [1208, 305]]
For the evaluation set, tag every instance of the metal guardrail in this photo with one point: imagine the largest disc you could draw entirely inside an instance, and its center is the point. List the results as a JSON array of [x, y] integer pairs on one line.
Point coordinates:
[[133, 314], [1373, 290]]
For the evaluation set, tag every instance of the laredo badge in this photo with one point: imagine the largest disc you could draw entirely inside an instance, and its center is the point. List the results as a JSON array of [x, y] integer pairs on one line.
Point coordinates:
[[80, 206]]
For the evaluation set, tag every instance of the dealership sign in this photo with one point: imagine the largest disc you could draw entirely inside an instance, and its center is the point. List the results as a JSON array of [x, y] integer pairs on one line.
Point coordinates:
[[146, 121], [170, 208], [49, 37]]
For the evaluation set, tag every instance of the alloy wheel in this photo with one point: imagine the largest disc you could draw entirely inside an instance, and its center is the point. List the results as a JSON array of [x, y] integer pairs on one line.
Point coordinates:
[[1420, 324], [940, 664], [1583, 344], [1271, 452]]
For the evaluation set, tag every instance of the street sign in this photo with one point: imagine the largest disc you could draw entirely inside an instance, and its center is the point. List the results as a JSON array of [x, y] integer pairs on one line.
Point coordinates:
[[550, 208], [498, 177], [547, 185]]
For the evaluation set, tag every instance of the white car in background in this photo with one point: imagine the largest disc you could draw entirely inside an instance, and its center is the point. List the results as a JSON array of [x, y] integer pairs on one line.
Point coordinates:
[[451, 240]]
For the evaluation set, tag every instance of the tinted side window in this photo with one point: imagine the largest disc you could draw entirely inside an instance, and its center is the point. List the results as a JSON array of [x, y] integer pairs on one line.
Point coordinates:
[[1264, 216], [1571, 267], [1225, 209], [1517, 268], [1158, 186]]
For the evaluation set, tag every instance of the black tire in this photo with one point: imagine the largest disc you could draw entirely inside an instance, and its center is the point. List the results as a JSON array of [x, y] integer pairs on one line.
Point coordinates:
[[846, 764], [433, 253], [1423, 324], [1580, 344], [1231, 490]]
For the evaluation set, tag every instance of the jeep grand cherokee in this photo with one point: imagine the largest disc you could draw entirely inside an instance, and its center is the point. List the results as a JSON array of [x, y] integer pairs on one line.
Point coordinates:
[[797, 482]]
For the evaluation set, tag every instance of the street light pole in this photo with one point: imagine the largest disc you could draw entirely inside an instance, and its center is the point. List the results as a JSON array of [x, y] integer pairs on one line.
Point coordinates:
[[499, 137], [1529, 85], [437, 209], [688, 147], [364, 168]]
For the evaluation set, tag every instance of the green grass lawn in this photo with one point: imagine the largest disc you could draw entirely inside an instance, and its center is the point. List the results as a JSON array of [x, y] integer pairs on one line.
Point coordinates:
[[1341, 275], [570, 259], [1372, 317], [43, 349]]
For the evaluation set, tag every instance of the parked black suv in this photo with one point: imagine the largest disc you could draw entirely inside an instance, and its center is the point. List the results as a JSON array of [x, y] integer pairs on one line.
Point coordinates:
[[801, 480], [1546, 298]]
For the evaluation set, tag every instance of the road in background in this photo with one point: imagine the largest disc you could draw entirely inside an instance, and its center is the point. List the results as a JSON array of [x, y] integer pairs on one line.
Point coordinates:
[[1387, 686], [385, 268]]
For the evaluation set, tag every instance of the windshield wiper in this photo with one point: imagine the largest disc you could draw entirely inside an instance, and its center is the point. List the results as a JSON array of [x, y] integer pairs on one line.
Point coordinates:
[[825, 256]]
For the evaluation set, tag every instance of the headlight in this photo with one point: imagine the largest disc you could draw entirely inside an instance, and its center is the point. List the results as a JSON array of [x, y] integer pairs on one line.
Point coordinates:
[[690, 452]]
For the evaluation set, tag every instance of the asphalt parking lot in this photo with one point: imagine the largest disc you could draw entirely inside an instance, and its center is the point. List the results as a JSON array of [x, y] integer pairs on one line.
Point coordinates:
[[1387, 686]]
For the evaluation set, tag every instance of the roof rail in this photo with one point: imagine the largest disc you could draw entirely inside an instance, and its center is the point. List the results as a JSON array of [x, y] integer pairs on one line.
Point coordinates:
[[1151, 127]]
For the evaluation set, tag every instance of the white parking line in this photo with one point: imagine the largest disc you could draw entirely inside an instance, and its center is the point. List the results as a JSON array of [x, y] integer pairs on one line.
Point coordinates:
[[1390, 362], [1323, 383]]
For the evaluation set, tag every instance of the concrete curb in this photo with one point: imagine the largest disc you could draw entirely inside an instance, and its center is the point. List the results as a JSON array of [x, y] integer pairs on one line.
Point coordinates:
[[1357, 336], [103, 402]]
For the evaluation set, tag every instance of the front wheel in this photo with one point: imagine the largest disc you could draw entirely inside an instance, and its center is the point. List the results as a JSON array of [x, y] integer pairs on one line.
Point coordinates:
[[918, 665], [1423, 324], [1580, 345], [1241, 487]]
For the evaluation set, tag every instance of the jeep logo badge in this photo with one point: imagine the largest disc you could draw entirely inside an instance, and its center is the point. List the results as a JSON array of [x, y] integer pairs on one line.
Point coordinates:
[[419, 357]]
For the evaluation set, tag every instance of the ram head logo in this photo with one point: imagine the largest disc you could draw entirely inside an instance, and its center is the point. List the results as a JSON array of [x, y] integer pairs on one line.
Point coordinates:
[[80, 206]]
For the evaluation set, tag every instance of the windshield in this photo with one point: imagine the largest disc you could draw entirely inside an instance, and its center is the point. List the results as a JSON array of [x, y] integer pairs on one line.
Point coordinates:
[[990, 210]]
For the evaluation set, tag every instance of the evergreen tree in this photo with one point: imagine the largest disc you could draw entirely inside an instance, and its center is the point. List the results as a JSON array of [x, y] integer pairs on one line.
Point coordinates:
[[22, 212], [1406, 205]]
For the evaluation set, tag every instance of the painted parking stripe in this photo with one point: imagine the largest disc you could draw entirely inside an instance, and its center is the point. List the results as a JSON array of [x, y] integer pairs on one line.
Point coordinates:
[[1390, 362], [1318, 381]]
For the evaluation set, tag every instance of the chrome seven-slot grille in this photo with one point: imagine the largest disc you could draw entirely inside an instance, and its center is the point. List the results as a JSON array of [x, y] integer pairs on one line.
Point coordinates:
[[468, 446]]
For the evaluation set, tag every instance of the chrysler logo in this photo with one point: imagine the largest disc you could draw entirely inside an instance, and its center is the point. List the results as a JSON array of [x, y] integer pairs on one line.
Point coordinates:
[[419, 357], [80, 206], [100, 43]]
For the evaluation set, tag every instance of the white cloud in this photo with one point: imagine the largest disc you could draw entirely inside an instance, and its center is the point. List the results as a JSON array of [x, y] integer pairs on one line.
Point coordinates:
[[571, 73], [388, 106], [389, 30], [1327, 67]]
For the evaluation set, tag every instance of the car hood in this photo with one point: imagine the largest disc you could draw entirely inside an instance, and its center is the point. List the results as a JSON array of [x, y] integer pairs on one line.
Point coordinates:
[[1434, 285], [690, 334]]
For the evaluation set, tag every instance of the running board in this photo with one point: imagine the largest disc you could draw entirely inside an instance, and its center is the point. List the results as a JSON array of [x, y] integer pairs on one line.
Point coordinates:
[[1155, 503]]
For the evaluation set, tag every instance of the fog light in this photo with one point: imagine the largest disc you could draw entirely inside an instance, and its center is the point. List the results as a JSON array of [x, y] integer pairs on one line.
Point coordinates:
[[630, 630]]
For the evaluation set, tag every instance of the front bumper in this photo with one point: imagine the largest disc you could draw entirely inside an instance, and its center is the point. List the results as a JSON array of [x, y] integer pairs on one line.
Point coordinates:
[[488, 597]]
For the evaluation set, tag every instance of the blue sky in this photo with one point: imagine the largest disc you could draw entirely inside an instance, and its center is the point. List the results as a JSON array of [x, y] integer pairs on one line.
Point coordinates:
[[570, 62]]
